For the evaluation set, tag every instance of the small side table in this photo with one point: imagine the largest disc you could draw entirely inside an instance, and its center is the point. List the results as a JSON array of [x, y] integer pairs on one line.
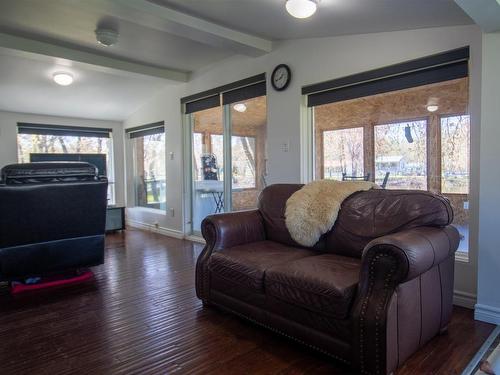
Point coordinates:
[[115, 218]]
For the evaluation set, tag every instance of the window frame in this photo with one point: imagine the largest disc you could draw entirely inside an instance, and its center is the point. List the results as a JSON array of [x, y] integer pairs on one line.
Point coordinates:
[[308, 159], [466, 263]]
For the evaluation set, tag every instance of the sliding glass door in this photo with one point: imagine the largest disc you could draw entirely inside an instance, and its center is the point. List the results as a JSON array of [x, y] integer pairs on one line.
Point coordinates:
[[227, 151], [207, 140]]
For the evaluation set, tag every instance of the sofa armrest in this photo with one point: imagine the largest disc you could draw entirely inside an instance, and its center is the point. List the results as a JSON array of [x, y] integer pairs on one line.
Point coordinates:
[[387, 262], [223, 231], [231, 229], [420, 249]]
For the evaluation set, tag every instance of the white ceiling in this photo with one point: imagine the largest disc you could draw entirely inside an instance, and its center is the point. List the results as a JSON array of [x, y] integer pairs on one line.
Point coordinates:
[[26, 86], [154, 34], [72, 22], [269, 19]]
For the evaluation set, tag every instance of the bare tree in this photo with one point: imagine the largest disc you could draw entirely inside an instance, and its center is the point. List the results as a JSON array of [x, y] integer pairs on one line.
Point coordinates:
[[250, 157], [63, 145]]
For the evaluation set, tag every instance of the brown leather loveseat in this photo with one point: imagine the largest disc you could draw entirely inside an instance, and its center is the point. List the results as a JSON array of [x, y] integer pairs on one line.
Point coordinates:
[[371, 292]]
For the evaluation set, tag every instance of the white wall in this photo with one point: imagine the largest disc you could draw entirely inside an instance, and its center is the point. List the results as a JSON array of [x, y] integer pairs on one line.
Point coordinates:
[[8, 141], [488, 307], [311, 61]]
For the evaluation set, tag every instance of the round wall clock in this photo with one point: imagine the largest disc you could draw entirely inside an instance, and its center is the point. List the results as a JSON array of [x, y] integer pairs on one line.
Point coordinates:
[[280, 77]]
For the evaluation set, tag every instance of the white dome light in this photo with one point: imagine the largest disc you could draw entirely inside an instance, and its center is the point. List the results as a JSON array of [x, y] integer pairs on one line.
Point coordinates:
[[432, 108], [63, 79], [240, 107], [301, 8]]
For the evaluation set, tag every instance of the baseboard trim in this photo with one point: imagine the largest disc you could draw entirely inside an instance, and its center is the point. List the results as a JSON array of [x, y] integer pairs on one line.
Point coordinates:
[[194, 238], [488, 314], [153, 228], [464, 299]]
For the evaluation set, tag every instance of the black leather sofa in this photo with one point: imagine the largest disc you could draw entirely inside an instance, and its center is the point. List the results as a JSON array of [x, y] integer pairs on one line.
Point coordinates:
[[52, 218]]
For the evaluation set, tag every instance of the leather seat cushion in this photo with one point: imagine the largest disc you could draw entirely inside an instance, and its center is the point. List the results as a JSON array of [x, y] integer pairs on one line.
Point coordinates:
[[247, 264], [324, 284]]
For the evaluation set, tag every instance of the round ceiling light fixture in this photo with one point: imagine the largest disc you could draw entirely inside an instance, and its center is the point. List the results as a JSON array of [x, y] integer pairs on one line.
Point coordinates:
[[301, 8], [63, 79], [432, 107], [240, 107], [106, 37]]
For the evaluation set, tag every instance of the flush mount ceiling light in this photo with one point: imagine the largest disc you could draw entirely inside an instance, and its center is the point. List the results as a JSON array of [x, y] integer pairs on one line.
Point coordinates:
[[240, 107], [106, 37], [63, 79], [301, 8], [432, 107]]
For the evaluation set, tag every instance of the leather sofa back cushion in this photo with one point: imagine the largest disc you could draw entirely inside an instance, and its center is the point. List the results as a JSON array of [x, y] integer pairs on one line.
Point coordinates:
[[272, 204], [367, 215], [363, 216]]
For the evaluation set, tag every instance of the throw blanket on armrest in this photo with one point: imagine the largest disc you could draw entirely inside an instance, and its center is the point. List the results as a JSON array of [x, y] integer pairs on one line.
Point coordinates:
[[312, 211]]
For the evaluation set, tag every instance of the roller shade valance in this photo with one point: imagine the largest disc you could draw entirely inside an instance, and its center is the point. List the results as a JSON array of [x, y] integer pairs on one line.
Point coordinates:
[[431, 69], [202, 104], [244, 93], [63, 130], [148, 129], [247, 88]]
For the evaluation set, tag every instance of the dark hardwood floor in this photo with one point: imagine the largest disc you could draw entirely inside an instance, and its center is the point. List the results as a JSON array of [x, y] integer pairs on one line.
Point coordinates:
[[141, 316]]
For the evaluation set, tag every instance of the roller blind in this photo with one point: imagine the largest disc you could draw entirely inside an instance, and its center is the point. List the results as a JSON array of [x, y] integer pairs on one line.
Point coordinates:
[[431, 69], [247, 88], [202, 104], [148, 129], [62, 130], [244, 93]]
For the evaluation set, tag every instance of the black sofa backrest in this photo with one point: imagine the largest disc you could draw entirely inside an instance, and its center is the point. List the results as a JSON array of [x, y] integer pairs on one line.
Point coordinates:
[[42, 202]]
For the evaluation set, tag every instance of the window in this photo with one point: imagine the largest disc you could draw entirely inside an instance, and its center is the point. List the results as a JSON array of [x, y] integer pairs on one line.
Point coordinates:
[[55, 139], [150, 182], [342, 153], [455, 154], [406, 125], [243, 168], [401, 150]]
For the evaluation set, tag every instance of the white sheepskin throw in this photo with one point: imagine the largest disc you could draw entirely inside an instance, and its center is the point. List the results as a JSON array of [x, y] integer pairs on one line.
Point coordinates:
[[313, 210]]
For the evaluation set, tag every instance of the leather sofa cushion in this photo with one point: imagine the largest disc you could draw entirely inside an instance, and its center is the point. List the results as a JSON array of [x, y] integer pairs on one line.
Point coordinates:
[[363, 216], [272, 205], [371, 214], [247, 264], [324, 284]]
